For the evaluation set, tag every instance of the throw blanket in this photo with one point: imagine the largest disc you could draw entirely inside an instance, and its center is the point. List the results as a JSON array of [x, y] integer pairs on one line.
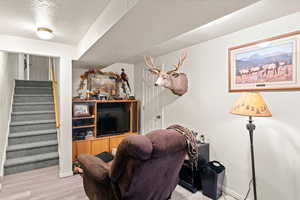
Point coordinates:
[[190, 140]]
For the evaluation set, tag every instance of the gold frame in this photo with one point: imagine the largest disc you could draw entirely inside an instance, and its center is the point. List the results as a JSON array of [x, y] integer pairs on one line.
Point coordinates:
[[88, 77], [230, 89]]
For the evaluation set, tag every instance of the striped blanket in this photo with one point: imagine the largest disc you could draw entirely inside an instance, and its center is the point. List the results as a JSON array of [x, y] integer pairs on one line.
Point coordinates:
[[190, 140]]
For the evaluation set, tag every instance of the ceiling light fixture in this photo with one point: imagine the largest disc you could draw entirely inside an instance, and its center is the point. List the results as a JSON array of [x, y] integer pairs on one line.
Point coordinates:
[[44, 33]]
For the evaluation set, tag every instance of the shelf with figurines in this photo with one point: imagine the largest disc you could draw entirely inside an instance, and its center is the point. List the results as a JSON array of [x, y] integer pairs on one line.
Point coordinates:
[[84, 120], [106, 86]]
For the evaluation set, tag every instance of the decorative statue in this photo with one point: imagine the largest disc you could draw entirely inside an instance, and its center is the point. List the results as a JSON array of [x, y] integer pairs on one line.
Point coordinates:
[[173, 80], [125, 82]]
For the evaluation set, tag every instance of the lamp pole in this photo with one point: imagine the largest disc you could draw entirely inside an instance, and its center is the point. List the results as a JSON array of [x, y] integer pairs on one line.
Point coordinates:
[[251, 128]]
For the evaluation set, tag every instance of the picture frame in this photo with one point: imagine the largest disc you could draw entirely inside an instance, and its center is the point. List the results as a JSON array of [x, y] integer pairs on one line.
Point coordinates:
[[105, 83], [95, 82], [81, 110], [271, 64]]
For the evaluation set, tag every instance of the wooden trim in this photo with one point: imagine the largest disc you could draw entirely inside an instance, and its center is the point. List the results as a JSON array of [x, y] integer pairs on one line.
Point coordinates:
[[265, 89], [95, 120], [77, 118], [137, 116], [230, 89], [229, 70], [87, 126], [131, 117]]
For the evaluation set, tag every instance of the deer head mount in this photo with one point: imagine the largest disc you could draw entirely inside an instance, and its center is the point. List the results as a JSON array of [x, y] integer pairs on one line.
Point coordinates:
[[173, 80]]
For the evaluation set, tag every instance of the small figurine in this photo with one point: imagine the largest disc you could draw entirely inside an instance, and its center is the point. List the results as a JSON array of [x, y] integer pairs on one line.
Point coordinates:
[[124, 78]]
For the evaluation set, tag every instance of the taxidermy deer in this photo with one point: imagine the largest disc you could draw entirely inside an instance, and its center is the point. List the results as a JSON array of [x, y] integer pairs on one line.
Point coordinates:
[[173, 80]]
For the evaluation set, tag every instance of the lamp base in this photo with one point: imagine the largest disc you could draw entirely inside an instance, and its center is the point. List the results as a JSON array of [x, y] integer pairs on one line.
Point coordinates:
[[251, 128]]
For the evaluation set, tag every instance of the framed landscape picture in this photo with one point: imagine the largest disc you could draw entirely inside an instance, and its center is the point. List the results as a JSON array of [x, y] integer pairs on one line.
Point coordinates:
[[81, 110], [105, 83], [270, 64]]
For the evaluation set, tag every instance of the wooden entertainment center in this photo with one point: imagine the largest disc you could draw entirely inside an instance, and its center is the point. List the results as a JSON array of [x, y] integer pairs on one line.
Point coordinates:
[[96, 143]]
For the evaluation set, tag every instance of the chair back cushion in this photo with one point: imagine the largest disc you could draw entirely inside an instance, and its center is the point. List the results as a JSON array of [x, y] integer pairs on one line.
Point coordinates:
[[147, 166]]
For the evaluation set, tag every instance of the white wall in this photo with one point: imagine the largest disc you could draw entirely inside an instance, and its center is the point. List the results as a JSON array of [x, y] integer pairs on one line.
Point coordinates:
[[8, 72], [39, 68], [76, 72], [36, 47], [21, 69], [64, 80], [206, 108]]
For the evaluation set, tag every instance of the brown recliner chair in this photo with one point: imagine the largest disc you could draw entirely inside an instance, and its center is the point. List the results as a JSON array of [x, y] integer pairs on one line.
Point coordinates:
[[146, 167]]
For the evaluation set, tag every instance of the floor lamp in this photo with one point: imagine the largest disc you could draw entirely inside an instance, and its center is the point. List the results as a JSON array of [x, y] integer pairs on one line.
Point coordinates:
[[251, 104]]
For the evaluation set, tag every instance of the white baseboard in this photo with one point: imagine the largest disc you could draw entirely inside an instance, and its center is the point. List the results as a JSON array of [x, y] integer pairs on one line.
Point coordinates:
[[65, 174], [232, 193]]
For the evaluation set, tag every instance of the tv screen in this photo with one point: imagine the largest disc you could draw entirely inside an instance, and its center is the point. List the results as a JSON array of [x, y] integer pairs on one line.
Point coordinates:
[[112, 118]]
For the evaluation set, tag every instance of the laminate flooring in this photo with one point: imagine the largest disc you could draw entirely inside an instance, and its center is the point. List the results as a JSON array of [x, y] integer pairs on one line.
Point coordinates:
[[44, 184]]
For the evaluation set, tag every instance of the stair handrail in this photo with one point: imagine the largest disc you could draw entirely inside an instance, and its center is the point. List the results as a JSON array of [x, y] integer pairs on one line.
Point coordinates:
[[54, 85]]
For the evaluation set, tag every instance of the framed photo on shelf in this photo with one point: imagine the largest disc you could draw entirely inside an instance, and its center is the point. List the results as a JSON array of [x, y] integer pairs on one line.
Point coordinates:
[[266, 65], [81, 110]]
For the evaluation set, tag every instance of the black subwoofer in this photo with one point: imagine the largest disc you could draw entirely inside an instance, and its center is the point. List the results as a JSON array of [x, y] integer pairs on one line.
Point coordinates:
[[190, 176]]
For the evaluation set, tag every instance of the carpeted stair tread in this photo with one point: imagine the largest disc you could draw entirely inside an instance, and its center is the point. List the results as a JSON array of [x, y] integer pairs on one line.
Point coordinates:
[[31, 122], [32, 141], [30, 159], [33, 95], [17, 147], [32, 133], [32, 112], [33, 103], [31, 81], [34, 87]]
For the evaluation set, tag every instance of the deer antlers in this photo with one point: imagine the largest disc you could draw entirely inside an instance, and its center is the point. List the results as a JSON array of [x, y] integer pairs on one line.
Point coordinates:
[[149, 61], [179, 64]]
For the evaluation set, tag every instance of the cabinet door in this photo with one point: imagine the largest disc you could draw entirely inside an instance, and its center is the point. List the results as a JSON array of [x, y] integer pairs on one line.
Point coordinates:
[[83, 147], [100, 145], [74, 151], [115, 141]]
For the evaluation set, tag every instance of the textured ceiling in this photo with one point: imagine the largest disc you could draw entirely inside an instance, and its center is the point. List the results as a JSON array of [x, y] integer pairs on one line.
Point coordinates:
[[244, 18], [158, 27], [151, 23], [69, 19]]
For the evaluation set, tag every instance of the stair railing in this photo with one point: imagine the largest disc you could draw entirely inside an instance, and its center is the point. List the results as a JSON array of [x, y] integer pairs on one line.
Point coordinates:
[[54, 86]]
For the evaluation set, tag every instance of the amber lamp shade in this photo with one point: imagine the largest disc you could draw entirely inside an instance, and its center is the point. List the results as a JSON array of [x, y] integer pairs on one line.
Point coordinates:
[[251, 104]]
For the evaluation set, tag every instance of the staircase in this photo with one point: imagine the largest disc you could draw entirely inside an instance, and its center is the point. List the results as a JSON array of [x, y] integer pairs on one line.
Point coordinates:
[[32, 141]]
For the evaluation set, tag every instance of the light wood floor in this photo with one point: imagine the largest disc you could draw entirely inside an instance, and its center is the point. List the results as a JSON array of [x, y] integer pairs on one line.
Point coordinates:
[[44, 184]]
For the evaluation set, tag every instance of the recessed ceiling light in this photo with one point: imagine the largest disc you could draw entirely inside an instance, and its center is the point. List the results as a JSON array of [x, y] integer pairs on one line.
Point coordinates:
[[44, 33]]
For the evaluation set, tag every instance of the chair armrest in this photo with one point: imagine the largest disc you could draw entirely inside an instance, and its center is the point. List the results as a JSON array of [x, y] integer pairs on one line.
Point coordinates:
[[94, 167]]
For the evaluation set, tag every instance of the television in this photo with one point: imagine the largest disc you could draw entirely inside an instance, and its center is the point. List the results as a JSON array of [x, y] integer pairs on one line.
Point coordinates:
[[112, 119]]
